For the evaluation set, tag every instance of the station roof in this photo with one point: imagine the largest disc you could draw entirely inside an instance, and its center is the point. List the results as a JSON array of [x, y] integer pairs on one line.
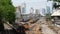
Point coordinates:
[[56, 13]]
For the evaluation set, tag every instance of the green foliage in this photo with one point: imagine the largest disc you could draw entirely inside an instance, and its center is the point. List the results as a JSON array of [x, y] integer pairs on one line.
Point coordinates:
[[48, 16], [7, 10], [57, 0]]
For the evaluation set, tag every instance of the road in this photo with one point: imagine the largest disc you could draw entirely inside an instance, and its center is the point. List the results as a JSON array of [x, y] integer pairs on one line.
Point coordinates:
[[44, 28]]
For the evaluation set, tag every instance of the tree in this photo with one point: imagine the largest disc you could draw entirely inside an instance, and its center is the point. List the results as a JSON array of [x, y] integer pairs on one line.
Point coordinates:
[[57, 0], [55, 4], [48, 16], [7, 11]]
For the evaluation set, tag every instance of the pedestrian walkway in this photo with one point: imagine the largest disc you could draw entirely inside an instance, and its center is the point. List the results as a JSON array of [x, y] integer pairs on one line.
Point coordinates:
[[47, 30]]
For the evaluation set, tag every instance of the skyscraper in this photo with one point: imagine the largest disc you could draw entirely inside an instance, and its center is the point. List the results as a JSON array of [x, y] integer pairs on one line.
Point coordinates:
[[43, 11], [37, 11], [18, 14], [48, 9], [24, 8]]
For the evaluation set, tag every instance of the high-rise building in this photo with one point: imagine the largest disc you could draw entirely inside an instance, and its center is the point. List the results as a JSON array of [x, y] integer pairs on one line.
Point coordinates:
[[31, 10], [18, 11], [48, 9], [24, 8], [18, 14], [37, 11], [43, 11]]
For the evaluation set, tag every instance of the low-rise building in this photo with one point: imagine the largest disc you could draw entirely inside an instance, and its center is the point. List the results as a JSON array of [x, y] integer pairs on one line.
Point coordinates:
[[56, 16]]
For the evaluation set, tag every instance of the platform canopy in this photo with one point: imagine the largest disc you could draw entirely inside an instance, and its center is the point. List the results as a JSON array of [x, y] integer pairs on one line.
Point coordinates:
[[56, 13]]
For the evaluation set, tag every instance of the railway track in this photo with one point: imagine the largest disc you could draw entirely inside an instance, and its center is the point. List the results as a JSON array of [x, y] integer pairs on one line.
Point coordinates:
[[35, 28], [29, 20]]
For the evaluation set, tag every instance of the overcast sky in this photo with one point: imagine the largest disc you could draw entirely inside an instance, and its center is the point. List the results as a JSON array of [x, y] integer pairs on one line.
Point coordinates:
[[37, 4], [32, 2]]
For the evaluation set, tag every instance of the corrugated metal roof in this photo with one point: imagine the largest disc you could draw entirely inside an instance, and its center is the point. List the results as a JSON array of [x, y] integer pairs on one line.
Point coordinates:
[[56, 13]]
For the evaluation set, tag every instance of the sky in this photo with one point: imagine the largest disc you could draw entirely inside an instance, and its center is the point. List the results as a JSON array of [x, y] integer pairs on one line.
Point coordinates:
[[36, 4], [18, 2]]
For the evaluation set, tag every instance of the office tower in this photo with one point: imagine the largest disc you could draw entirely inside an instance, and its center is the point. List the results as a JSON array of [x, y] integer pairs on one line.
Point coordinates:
[[37, 11], [24, 8], [43, 11], [48, 9], [18, 14]]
